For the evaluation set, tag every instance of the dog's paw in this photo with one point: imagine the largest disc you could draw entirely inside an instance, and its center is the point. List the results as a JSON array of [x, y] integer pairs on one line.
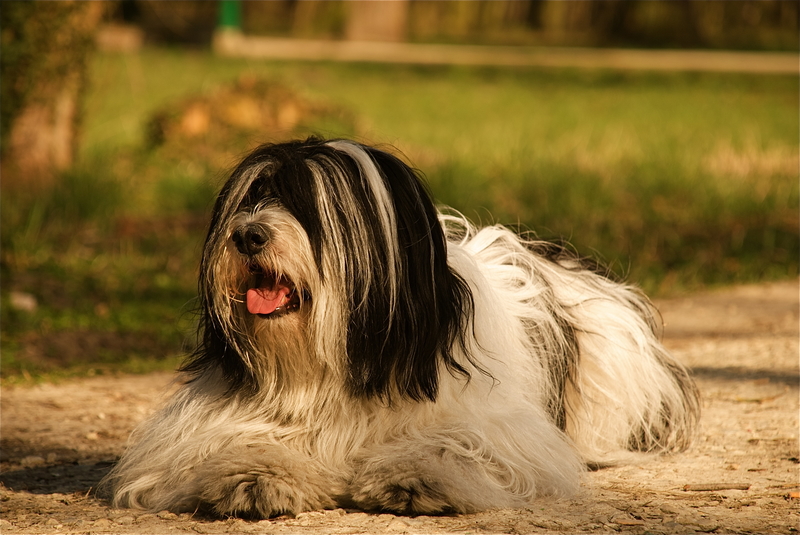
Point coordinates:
[[262, 494], [259, 491], [401, 488]]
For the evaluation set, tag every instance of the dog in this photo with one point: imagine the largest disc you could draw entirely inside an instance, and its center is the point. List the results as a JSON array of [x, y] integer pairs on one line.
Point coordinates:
[[360, 348]]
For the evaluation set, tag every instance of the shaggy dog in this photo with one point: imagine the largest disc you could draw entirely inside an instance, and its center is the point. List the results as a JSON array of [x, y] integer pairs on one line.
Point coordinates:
[[360, 348]]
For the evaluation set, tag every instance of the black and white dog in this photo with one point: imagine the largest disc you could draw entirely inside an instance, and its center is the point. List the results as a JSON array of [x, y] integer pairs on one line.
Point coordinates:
[[361, 349]]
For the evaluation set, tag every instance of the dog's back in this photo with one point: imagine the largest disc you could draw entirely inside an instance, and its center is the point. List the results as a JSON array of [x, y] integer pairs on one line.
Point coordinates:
[[611, 385]]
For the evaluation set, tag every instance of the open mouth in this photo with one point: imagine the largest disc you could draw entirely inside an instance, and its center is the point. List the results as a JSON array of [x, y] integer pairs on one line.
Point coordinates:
[[271, 295]]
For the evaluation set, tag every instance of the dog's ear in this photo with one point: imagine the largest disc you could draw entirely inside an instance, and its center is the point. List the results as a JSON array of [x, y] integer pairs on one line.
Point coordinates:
[[405, 329], [216, 349]]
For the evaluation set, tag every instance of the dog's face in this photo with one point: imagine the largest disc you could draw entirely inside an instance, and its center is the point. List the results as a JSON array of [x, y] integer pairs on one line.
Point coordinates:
[[329, 257]]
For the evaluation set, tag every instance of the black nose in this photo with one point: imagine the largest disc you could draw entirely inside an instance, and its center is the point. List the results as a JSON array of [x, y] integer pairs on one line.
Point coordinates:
[[250, 239]]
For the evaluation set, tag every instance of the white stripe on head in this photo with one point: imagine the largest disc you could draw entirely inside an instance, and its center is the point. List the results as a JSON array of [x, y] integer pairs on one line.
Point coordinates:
[[374, 183]]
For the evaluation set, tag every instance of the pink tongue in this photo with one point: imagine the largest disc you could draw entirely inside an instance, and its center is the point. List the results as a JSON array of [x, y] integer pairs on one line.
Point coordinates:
[[265, 300]]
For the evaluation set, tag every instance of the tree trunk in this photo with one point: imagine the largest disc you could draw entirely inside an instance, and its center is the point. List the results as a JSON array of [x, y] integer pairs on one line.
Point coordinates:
[[377, 20], [46, 46]]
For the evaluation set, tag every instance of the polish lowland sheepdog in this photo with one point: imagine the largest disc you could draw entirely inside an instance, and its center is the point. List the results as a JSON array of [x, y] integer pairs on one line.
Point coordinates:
[[358, 348]]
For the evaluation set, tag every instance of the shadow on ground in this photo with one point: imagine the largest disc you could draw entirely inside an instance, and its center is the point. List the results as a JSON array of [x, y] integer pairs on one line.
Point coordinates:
[[62, 479], [739, 373]]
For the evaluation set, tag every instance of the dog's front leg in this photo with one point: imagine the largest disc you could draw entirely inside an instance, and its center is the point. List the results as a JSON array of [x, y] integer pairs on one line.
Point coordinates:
[[260, 481], [430, 479]]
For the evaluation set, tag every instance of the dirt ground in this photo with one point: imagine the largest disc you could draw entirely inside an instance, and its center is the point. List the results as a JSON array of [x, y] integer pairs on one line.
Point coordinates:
[[740, 476]]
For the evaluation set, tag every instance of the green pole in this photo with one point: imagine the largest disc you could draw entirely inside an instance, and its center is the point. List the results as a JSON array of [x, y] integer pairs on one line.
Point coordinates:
[[230, 14]]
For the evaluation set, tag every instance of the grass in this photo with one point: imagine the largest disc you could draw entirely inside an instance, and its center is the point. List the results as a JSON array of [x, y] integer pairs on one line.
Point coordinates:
[[678, 181]]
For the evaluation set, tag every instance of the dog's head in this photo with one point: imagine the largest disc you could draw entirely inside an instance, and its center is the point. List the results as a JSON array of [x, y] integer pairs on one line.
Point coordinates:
[[329, 255]]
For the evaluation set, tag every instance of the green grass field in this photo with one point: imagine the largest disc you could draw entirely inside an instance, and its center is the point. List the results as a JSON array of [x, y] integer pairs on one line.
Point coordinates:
[[677, 181]]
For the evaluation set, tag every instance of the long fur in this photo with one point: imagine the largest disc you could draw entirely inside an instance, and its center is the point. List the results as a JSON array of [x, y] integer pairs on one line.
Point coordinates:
[[421, 365]]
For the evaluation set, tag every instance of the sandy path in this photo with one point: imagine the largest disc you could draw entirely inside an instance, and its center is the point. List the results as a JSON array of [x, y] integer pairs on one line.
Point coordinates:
[[742, 344]]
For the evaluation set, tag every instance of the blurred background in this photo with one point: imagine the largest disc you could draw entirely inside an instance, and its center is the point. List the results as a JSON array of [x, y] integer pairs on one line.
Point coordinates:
[[660, 137]]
